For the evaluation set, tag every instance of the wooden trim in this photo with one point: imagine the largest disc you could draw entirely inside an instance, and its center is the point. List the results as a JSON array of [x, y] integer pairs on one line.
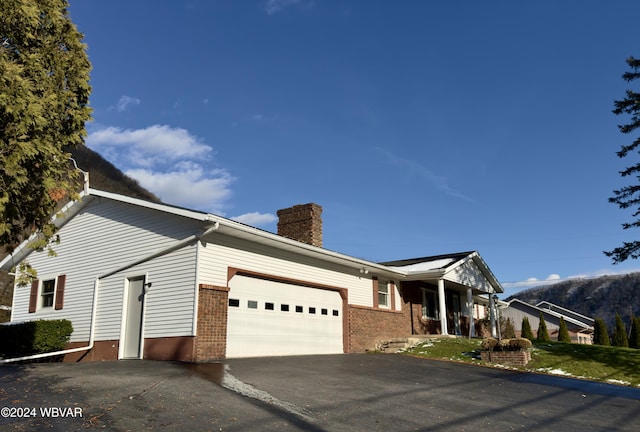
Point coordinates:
[[392, 288], [376, 301], [60, 284], [232, 271], [213, 287], [33, 296]]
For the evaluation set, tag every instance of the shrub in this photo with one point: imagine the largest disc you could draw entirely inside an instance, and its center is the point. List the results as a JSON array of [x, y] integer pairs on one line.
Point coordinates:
[[563, 332], [634, 339], [506, 328], [34, 337], [600, 334], [526, 331], [543, 334], [489, 344], [619, 334], [514, 344], [517, 344]]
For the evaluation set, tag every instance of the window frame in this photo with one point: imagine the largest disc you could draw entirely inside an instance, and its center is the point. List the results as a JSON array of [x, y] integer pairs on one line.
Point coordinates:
[[44, 298], [429, 304], [384, 295]]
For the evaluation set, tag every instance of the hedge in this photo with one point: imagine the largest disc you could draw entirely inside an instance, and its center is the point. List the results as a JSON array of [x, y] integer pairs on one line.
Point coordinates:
[[34, 337]]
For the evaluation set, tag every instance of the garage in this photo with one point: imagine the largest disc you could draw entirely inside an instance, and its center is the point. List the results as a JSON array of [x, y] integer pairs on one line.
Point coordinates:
[[272, 318]]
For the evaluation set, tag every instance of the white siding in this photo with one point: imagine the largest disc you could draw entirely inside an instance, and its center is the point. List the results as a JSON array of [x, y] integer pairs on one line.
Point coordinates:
[[469, 274], [227, 252], [107, 235]]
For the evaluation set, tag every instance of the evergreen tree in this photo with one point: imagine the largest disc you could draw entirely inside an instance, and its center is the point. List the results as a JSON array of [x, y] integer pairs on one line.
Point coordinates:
[[563, 332], [526, 331], [43, 108], [600, 334], [629, 196], [619, 333], [543, 334], [507, 330], [634, 339]]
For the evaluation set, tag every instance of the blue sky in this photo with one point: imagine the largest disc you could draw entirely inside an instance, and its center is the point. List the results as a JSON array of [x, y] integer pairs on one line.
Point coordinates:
[[421, 127]]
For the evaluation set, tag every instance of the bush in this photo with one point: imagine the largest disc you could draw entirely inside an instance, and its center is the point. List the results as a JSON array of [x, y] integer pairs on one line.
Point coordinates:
[[507, 330], [34, 337], [600, 334], [526, 331], [619, 334], [563, 332], [634, 339], [514, 344], [543, 334], [489, 344]]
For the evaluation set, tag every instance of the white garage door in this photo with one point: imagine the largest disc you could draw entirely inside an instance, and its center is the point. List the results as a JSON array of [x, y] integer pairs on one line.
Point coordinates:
[[269, 318]]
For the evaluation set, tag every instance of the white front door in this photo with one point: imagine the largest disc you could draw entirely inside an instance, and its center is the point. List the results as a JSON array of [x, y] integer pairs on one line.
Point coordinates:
[[134, 297], [268, 318]]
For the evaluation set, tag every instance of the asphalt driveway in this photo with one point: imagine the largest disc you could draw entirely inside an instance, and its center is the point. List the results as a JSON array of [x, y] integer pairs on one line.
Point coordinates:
[[311, 393]]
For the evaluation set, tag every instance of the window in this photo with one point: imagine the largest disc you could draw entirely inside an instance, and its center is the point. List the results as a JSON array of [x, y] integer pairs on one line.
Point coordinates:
[[48, 292], [383, 293], [234, 302], [299, 309], [284, 307], [312, 310], [335, 312], [429, 304], [268, 306], [323, 311], [252, 304]]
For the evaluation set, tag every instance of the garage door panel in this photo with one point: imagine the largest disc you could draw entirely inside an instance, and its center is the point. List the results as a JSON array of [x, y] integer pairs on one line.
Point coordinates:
[[268, 329]]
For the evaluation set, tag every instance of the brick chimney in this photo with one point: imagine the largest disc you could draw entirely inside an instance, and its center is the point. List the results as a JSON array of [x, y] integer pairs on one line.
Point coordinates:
[[302, 222]]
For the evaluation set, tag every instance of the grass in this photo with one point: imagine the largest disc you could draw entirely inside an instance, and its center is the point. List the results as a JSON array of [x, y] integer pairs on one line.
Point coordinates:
[[592, 362]]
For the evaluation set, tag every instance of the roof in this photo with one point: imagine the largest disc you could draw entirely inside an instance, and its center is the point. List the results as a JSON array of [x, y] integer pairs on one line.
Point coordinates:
[[224, 225], [437, 266], [409, 269], [567, 317], [566, 312]]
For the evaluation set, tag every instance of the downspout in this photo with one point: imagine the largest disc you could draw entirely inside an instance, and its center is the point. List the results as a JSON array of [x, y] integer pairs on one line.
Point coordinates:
[[94, 308]]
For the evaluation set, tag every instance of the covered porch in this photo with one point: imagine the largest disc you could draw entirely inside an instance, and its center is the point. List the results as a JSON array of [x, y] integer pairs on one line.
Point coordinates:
[[449, 294]]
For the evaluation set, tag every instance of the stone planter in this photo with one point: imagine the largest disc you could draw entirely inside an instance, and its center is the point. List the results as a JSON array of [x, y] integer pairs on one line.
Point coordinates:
[[509, 358]]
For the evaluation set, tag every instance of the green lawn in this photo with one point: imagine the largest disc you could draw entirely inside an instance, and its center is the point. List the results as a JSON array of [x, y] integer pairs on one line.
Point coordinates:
[[592, 362]]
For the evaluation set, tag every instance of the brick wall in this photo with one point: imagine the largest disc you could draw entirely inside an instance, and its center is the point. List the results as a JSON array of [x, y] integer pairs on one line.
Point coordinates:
[[211, 339], [367, 326], [510, 358], [302, 222]]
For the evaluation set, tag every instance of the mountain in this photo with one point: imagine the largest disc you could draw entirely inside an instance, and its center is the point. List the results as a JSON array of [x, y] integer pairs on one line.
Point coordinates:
[[596, 298], [103, 175]]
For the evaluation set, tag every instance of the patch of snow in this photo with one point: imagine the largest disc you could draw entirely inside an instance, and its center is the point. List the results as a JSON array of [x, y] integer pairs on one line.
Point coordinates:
[[615, 381]]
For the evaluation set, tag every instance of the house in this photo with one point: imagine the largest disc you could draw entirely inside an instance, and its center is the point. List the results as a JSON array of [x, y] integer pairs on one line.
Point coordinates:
[[580, 327], [145, 280]]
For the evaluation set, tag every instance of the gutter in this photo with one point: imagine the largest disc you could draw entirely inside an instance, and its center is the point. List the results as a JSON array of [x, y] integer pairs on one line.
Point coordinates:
[[183, 243]]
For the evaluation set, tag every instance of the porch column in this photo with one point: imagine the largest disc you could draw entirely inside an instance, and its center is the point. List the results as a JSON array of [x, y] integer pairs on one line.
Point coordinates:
[[492, 316], [442, 306], [472, 330]]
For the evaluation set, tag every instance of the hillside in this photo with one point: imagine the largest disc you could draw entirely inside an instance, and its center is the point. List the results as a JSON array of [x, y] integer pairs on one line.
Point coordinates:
[[102, 175], [597, 298]]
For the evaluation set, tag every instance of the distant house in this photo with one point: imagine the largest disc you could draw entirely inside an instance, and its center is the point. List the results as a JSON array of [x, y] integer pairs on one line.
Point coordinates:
[[146, 280], [580, 327]]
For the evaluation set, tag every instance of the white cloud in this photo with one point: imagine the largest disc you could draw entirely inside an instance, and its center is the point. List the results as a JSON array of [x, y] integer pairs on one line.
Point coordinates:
[[189, 187], [255, 218], [124, 103], [171, 162], [148, 146]]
